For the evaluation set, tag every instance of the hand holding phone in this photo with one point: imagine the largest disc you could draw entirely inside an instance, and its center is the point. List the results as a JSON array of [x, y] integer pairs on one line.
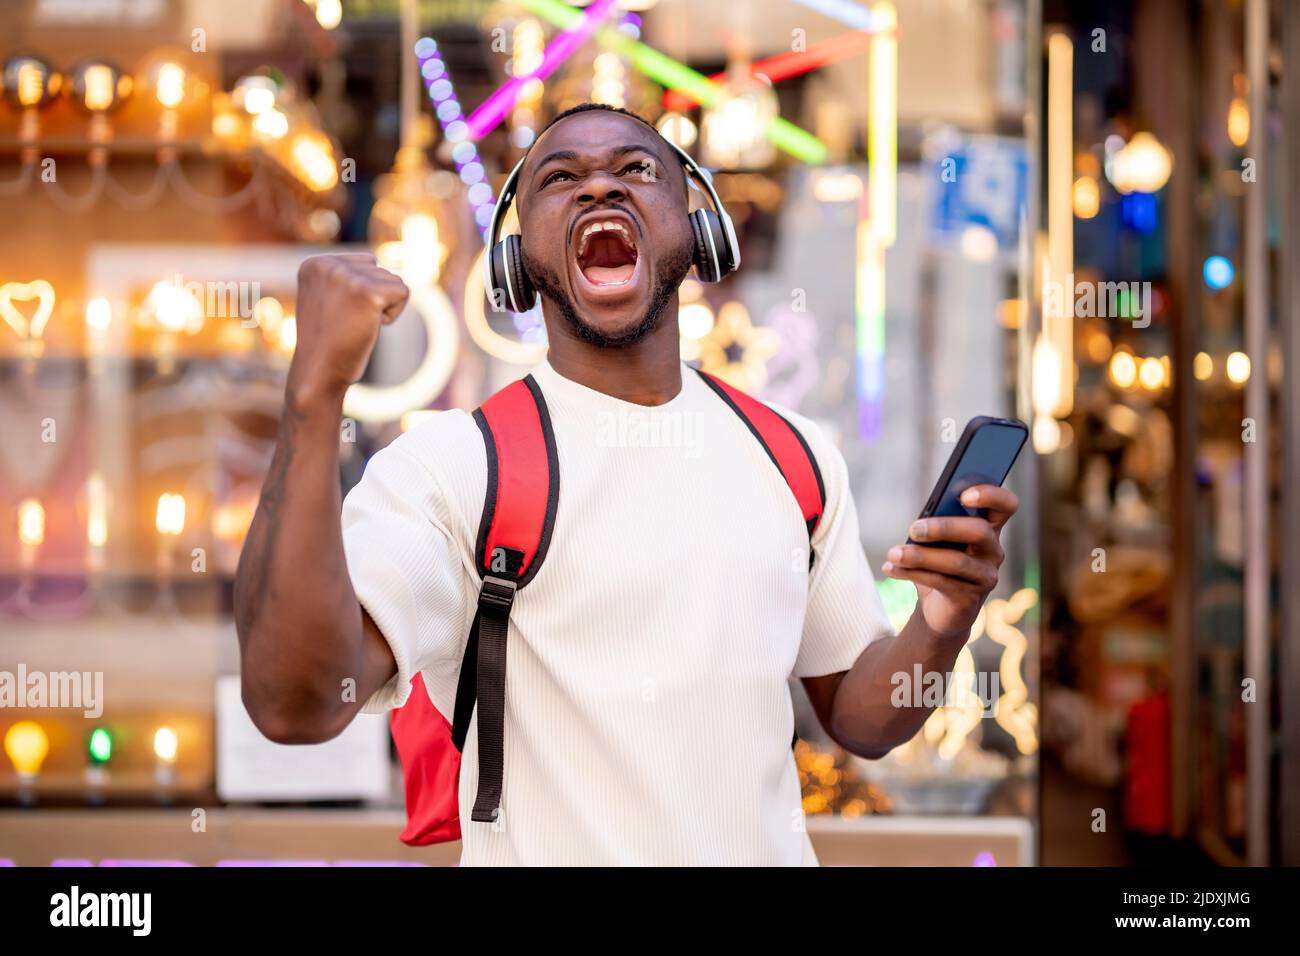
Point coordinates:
[[953, 553], [984, 455]]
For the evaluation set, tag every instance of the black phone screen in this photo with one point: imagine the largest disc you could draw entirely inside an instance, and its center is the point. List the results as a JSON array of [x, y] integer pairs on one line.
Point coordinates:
[[986, 461]]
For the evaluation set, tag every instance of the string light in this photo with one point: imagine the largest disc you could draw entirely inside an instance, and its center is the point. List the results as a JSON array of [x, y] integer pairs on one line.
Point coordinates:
[[169, 85], [31, 523], [1123, 369], [1202, 366], [455, 130], [1237, 367], [165, 745], [27, 745], [100, 746], [169, 517]]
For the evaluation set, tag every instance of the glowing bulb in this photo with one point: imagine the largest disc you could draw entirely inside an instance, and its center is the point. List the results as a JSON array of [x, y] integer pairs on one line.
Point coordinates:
[[1085, 197], [27, 745], [1123, 369], [169, 517], [1238, 122], [677, 128], [169, 85], [96, 511], [287, 334], [1151, 374], [1218, 272], [1202, 366], [175, 307], [98, 82], [695, 320], [1047, 434], [1238, 367], [268, 313], [258, 99], [31, 523], [329, 13], [315, 159], [272, 124], [1142, 166], [100, 745], [164, 744], [99, 314]]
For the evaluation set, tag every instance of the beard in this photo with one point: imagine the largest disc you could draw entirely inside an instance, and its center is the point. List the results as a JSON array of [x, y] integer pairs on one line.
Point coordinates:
[[671, 270]]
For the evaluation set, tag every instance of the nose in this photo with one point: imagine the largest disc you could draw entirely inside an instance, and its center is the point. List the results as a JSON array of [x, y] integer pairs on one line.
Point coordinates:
[[601, 187]]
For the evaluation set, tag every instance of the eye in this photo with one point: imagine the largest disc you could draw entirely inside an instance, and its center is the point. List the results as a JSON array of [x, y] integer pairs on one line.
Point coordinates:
[[553, 177], [640, 166]]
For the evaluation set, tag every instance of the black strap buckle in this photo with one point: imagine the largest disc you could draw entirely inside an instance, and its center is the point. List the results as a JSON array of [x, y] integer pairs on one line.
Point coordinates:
[[497, 593]]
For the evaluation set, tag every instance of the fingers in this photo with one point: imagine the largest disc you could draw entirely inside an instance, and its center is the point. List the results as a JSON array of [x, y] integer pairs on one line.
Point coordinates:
[[1000, 502], [930, 579], [978, 571], [975, 532]]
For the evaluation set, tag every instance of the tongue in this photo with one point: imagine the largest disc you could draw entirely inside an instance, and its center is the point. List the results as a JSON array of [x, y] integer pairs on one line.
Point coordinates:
[[604, 275]]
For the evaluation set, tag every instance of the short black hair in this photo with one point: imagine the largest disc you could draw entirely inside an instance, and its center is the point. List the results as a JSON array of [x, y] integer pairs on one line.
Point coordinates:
[[586, 107], [589, 106]]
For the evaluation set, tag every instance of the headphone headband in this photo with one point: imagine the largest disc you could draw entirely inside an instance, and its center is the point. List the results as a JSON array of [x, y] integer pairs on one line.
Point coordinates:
[[511, 186]]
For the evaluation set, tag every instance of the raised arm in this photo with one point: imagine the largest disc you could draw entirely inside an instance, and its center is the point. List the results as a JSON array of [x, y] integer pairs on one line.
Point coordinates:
[[302, 634], [857, 707]]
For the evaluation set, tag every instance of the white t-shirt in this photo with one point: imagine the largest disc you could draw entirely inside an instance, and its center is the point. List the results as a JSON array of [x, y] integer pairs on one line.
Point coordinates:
[[648, 716]]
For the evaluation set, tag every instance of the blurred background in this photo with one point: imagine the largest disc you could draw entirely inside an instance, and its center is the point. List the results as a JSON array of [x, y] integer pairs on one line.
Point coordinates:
[[1075, 213]]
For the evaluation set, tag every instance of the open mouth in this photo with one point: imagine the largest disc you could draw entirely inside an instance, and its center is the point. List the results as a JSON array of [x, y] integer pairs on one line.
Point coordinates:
[[606, 253]]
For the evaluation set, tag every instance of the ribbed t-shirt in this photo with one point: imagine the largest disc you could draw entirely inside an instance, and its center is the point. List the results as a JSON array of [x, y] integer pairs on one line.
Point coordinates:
[[648, 716]]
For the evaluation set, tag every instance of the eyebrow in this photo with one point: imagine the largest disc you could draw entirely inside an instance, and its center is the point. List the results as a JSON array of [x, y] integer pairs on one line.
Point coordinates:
[[569, 155]]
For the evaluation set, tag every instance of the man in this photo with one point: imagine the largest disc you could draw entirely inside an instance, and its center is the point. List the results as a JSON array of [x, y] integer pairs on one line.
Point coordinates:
[[648, 719]]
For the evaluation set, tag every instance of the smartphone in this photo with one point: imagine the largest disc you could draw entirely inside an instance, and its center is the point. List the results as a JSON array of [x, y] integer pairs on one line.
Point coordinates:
[[983, 456]]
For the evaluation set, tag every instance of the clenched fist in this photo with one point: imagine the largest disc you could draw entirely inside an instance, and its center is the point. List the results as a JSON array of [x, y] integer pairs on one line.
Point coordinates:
[[342, 301]]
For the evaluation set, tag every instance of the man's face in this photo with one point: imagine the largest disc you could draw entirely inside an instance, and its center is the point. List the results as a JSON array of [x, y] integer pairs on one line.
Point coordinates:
[[603, 225]]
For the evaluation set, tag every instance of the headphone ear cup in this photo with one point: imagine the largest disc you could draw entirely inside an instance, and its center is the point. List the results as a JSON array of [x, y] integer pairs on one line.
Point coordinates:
[[713, 258], [509, 285], [524, 296]]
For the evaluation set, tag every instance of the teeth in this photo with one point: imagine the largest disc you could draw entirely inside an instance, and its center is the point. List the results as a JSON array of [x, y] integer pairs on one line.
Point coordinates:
[[594, 227]]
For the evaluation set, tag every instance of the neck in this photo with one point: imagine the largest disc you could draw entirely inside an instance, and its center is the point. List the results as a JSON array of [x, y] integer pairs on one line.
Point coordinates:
[[646, 372]]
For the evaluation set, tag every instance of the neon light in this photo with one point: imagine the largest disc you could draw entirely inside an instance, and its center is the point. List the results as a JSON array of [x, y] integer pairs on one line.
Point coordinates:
[[785, 65], [877, 222], [455, 130], [882, 126], [484, 336], [493, 110], [387, 403], [666, 71], [1058, 324]]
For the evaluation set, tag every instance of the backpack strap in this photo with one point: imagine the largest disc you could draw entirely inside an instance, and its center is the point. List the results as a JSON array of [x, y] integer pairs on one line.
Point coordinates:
[[523, 489], [785, 446]]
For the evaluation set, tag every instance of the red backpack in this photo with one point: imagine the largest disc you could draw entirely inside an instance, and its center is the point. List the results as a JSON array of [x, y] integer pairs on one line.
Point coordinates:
[[523, 489]]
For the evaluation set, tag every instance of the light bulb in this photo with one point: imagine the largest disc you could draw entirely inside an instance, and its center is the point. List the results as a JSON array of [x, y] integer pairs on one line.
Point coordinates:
[[164, 744], [26, 746], [169, 85]]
